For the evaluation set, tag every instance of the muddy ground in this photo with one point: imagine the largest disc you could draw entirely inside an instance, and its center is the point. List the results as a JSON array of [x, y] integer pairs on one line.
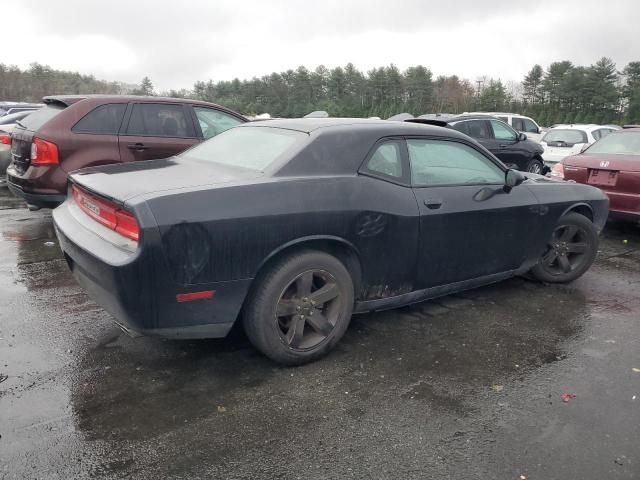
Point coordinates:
[[464, 387]]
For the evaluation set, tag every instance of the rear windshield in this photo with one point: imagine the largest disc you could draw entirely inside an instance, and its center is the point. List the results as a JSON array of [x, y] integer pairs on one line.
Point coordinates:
[[254, 148], [618, 143], [38, 118], [570, 137]]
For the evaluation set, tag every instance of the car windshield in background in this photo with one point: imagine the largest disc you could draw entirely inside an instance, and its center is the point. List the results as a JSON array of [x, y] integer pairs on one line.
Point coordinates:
[[13, 117], [38, 118], [617, 143], [253, 148], [570, 137]]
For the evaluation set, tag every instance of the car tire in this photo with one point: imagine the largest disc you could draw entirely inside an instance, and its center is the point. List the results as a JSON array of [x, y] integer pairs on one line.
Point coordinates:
[[535, 166], [570, 251], [299, 308]]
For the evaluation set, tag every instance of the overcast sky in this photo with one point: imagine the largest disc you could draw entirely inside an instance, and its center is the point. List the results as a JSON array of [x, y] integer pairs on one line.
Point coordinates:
[[176, 43]]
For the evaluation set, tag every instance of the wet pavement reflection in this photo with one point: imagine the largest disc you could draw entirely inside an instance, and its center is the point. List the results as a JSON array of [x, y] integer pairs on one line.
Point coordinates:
[[467, 386]]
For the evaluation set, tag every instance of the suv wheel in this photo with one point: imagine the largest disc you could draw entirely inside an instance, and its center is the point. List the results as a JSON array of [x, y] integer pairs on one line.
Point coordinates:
[[535, 166]]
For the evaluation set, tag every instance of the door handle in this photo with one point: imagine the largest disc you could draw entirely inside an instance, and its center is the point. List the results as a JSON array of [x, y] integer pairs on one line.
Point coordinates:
[[139, 147], [503, 145], [432, 203]]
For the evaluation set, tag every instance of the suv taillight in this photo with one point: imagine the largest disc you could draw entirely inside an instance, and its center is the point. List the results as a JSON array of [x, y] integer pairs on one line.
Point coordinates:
[[108, 214], [43, 152], [5, 139]]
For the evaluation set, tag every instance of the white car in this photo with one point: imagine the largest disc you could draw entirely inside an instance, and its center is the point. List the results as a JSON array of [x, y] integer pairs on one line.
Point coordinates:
[[565, 140], [520, 123]]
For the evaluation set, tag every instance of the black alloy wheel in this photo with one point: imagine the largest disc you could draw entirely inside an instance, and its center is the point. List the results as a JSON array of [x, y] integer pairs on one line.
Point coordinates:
[[570, 251], [299, 307], [308, 309]]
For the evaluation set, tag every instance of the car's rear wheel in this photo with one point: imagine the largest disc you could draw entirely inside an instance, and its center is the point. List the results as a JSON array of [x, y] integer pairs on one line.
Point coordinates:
[[535, 166], [300, 307], [570, 251]]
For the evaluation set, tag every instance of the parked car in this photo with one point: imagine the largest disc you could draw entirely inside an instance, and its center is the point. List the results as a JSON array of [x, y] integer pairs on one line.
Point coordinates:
[[613, 165], [511, 147], [7, 108], [520, 123], [565, 140], [73, 132], [7, 123], [296, 224]]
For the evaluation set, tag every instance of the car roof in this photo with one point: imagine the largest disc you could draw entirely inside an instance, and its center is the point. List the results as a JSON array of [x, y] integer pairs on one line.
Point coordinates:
[[386, 127], [587, 127], [69, 100]]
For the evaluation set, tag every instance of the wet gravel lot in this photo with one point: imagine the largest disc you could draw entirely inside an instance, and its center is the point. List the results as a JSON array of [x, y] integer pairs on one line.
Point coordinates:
[[464, 387]]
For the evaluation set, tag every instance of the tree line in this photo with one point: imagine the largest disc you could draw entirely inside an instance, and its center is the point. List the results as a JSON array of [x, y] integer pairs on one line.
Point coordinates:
[[561, 93]]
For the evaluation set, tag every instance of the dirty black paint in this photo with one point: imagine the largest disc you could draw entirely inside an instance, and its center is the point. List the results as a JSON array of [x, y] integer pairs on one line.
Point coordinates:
[[410, 393]]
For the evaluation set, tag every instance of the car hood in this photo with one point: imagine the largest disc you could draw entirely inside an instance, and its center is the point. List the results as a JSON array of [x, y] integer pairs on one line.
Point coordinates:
[[123, 181], [627, 163]]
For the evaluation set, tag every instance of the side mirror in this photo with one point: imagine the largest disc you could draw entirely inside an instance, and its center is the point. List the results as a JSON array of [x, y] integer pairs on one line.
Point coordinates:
[[584, 148], [522, 137], [512, 178]]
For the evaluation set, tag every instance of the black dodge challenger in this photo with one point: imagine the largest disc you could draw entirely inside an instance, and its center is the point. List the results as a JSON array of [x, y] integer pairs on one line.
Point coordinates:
[[293, 225]]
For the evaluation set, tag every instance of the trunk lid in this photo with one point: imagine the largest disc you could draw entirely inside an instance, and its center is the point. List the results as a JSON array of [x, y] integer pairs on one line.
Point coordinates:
[[615, 173], [123, 181]]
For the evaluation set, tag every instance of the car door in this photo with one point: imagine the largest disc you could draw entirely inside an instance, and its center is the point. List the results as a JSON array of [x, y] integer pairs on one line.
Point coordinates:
[[156, 130], [470, 227], [509, 149], [479, 130]]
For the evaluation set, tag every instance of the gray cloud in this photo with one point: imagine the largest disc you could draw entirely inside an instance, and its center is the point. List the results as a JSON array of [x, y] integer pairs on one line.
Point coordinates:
[[178, 43]]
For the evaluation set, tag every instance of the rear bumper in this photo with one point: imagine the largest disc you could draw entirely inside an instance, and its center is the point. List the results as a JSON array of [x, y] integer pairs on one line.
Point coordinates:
[[41, 186], [134, 287]]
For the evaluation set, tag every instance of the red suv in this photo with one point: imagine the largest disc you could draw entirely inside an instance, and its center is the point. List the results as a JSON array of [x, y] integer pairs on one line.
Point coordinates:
[[73, 132]]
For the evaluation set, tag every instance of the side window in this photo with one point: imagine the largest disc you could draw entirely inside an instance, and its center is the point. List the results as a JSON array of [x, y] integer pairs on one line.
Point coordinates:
[[386, 160], [501, 131], [105, 120], [461, 127], [478, 129], [212, 122], [604, 132], [529, 126], [159, 120], [596, 134], [441, 162], [517, 124]]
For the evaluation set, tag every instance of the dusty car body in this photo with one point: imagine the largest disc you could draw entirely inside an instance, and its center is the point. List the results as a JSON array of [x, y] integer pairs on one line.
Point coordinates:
[[188, 242]]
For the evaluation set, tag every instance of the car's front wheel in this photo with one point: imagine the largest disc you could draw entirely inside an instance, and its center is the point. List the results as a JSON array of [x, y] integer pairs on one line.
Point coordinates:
[[300, 307], [535, 166], [570, 251]]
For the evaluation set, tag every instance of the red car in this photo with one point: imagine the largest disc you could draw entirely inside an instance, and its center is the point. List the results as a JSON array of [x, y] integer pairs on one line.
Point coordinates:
[[77, 131], [613, 165]]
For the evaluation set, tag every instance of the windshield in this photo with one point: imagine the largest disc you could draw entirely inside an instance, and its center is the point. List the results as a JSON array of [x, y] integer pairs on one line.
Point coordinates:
[[253, 148], [618, 143], [38, 118], [12, 117], [570, 137]]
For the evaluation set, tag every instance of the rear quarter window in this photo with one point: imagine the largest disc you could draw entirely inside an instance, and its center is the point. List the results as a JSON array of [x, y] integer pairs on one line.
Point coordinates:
[[104, 120], [39, 117]]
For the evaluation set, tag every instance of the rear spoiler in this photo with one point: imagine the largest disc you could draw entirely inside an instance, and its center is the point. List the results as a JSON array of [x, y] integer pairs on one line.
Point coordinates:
[[428, 121], [62, 101]]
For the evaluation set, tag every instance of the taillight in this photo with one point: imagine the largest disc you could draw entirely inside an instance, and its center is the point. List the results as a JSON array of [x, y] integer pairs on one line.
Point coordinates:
[[43, 152], [5, 139], [107, 213], [558, 170]]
